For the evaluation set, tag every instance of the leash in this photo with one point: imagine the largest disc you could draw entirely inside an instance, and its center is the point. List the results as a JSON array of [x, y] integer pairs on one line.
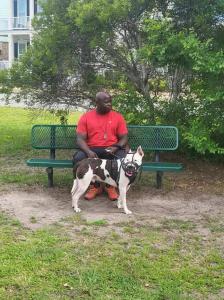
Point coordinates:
[[108, 152]]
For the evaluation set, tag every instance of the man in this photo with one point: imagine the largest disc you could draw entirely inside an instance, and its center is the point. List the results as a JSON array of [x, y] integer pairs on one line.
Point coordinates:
[[102, 133]]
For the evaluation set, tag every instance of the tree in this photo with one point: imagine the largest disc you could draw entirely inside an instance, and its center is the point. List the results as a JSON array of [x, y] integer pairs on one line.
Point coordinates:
[[163, 60], [48, 73]]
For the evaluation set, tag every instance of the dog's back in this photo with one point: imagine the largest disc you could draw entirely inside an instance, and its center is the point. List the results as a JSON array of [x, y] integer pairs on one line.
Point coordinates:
[[104, 170]]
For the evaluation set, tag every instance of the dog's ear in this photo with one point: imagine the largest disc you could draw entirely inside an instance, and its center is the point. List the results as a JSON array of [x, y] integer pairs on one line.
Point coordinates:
[[140, 151]]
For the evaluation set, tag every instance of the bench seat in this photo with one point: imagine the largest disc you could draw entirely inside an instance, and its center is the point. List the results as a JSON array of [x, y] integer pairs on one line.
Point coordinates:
[[62, 163], [162, 167], [49, 163]]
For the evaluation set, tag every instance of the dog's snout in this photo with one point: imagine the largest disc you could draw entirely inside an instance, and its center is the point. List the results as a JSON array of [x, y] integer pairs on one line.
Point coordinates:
[[130, 167]]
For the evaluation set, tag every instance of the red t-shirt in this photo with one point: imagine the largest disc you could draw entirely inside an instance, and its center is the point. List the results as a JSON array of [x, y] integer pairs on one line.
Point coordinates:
[[102, 130]]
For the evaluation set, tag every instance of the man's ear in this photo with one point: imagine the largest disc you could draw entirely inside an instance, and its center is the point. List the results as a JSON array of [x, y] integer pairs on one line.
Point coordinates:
[[140, 151]]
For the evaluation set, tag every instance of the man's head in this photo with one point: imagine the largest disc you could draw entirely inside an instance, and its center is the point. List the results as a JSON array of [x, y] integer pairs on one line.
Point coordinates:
[[103, 102]]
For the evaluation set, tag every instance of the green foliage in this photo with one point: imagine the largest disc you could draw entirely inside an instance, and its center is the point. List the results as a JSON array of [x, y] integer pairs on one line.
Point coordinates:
[[5, 84], [136, 108], [201, 124], [153, 55]]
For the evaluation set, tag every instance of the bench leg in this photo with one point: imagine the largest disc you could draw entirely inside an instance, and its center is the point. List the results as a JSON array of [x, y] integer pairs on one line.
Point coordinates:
[[50, 177], [159, 177]]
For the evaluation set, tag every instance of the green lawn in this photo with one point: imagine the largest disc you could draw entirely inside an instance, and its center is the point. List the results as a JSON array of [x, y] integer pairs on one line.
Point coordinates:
[[146, 263], [74, 260], [15, 146], [16, 124]]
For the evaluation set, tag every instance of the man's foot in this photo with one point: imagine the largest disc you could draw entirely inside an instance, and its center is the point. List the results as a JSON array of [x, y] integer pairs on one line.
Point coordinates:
[[93, 192], [112, 192]]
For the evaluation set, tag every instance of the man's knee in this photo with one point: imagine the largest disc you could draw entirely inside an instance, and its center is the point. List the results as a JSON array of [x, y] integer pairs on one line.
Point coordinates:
[[121, 153], [78, 156]]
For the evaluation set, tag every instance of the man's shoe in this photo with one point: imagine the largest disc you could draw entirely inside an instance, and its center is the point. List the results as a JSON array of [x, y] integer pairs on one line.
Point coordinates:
[[112, 192], [93, 192]]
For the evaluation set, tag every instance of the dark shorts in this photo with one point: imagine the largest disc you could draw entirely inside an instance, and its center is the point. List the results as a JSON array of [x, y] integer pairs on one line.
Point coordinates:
[[101, 153]]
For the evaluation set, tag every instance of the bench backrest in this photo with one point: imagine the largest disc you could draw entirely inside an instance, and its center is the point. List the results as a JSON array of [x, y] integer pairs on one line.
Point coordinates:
[[64, 137]]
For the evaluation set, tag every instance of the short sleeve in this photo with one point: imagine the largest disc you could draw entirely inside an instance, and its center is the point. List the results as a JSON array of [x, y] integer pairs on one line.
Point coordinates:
[[122, 127], [82, 125]]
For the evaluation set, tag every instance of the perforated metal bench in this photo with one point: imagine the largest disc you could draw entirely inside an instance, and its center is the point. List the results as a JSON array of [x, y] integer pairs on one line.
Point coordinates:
[[151, 138]]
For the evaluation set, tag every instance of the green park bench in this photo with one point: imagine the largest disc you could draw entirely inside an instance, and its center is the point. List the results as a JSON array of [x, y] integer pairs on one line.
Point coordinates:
[[151, 138]]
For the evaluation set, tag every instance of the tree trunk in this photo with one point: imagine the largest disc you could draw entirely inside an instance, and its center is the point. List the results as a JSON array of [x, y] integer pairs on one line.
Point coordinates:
[[176, 84]]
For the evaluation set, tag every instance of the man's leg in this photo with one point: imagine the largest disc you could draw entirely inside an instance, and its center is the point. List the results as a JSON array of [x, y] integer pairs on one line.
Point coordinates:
[[78, 156], [120, 153]]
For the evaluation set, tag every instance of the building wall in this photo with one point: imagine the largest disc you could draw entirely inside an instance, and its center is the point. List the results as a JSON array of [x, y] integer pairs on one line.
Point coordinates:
[[4, 8], [14, 38], [4, 38], [4, 51]]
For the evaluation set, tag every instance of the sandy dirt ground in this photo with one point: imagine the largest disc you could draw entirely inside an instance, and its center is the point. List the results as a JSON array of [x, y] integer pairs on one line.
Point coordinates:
[[38, 207], [192, 195]]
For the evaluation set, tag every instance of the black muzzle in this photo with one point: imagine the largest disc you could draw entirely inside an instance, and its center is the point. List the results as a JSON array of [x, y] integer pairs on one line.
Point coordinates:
[[130, 168]]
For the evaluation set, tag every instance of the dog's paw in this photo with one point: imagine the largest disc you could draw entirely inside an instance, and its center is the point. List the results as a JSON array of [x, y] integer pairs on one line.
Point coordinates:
[[128, 212], [77, 209], [119, 205]]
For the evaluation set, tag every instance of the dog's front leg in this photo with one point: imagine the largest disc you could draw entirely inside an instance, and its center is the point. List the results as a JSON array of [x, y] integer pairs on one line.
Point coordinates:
[[119, 202], [122, 200]]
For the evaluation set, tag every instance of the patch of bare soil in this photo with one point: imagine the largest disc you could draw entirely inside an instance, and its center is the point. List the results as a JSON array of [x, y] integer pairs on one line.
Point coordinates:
[[193, 195], [38, 207]]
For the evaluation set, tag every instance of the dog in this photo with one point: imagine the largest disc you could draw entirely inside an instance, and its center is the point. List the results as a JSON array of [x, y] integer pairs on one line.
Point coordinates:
[[119, 173]]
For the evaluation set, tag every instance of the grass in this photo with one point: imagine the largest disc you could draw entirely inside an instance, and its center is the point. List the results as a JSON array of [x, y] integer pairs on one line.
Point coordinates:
[[178, 224], [74, 260], [15, 147], [15, 128], [97, 223], [48, 264]]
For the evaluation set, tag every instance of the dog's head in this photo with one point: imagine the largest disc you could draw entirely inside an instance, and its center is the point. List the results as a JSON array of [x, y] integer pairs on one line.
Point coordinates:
[[132, 162]]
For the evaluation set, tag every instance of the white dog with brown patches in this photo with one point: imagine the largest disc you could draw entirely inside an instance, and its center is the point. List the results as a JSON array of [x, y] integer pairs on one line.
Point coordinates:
[[119, 173]]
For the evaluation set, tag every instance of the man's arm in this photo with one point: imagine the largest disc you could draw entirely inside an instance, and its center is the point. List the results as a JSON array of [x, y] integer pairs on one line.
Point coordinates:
[[123, 140], [81, 142], [121, 144]]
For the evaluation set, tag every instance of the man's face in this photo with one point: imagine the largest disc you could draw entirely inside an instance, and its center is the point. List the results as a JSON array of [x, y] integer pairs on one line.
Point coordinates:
[[104, 103]]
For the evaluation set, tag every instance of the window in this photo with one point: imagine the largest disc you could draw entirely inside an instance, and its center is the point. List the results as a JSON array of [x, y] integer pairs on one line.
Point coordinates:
[[37, 7], [20, 47], [21, 8], [21, 11]]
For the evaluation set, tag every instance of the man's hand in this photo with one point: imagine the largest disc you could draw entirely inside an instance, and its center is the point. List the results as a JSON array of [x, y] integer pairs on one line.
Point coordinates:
[[111, 149], [91, 154]]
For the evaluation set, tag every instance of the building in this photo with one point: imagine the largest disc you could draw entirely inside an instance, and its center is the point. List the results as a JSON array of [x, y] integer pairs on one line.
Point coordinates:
[[15, 28]]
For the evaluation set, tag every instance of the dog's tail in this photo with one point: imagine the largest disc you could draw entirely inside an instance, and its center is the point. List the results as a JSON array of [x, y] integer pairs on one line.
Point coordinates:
[[74, 188]]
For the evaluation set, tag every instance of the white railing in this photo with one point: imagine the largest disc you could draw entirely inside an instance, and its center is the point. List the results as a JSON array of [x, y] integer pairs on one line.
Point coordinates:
[[15, 23], [21, 23], [4, 64]]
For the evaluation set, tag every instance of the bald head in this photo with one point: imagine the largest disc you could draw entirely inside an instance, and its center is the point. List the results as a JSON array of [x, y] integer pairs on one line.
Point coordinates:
[[102, 96], [103, 102]]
